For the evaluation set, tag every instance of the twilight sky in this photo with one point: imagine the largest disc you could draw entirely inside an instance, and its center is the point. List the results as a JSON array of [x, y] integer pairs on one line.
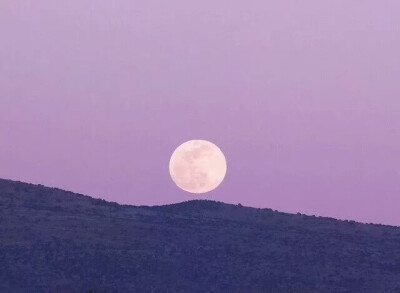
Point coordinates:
[[302, 97]]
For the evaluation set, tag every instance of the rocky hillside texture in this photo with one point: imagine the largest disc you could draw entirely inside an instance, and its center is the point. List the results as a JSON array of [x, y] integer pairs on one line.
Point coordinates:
[[56, 241]]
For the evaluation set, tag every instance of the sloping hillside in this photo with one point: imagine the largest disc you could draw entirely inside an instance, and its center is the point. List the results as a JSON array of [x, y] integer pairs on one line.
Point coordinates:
[[56, 241]]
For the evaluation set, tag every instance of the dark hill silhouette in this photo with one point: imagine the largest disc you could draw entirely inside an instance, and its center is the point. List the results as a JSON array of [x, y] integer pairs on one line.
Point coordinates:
[[56, 241]]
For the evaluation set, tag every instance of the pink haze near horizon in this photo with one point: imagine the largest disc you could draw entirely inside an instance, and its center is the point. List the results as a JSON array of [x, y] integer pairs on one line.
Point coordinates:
[[302, 97]]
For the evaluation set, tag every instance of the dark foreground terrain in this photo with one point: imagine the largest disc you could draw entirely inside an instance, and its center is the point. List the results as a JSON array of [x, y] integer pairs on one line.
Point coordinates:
[[57, 241]]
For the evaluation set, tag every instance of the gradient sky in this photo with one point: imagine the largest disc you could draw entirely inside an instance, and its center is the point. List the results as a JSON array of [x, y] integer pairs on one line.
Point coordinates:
[[303, 97]]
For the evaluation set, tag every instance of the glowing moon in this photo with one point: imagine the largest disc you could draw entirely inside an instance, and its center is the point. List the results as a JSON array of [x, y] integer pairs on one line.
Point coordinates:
[[198, 166]]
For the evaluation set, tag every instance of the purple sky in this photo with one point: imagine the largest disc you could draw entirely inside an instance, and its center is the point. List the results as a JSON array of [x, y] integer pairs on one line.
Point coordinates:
[[302, 97]]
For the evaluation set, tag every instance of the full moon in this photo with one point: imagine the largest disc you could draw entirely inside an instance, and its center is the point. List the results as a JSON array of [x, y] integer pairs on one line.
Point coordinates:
[[198, 166]]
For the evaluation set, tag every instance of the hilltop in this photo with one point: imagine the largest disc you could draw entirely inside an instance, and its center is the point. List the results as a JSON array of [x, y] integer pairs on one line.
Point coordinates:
[[57, 241]]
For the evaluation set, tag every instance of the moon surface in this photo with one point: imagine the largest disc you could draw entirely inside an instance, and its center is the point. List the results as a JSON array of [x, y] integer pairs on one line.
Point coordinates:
[[198, 166]]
